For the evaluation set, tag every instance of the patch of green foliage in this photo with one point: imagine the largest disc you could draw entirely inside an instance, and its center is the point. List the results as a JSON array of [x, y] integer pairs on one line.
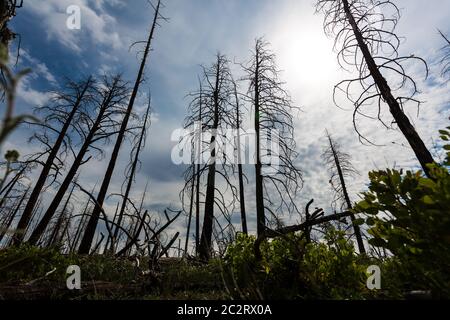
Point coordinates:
[[26, 263], [292, 269], [187, 280], [409, 215]]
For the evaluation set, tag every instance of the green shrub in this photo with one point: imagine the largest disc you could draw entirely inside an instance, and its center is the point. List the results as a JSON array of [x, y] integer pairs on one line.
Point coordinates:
[[26, 263], [291, 269], [409, 215]]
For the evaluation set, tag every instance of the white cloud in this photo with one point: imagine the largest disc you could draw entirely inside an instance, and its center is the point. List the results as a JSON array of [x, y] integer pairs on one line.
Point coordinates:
[[97, 24]]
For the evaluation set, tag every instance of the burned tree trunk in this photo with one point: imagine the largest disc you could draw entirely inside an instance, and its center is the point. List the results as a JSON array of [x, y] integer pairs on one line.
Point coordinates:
[[273, 121], [197, 189], [340, 164], [7, 225], [112, 97], [89, 234], [191, 206], [132, 173], [418, 146], [208, 220], [364, 43], [239, 164], [28, 211]]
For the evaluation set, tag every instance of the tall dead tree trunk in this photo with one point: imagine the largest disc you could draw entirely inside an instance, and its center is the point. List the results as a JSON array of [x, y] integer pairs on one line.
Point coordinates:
[[208, 220], [363, 39], [113, 95], [343, 188], [260, 215], [274, 138], [28, 211], [57, 228], [191, 206], [89, 234], [410, 133], [7, 225], [132, 174], [197, 189], [239, 165]]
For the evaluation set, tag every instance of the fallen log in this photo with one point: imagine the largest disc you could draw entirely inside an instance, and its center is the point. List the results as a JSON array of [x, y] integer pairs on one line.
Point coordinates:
[[305, 226]]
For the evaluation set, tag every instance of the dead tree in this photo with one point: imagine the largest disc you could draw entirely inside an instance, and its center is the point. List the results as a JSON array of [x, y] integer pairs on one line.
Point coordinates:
[[132, 171], [446, 55], [239, 161], [5, 227], [191, 205], [88, 236], [368, 43], [81, 224], [340, 167], [212, 103], [273, 122], [72, 99], [107, 104], [56, 233]]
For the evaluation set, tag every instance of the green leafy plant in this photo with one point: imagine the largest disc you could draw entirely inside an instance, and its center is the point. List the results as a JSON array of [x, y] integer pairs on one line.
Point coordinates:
[[292, 269], [445, 136], [409, 215]]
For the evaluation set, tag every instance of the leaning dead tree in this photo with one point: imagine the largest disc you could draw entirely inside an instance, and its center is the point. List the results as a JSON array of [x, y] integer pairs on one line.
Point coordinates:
[[446, 55], [62, 110], [97, 123], [365, 39], [88, 237], [211, 109], [139, 145], [278, 180], [341, 168]]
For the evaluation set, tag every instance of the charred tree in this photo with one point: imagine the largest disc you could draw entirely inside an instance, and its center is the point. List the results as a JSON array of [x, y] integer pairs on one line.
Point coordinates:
[[369, 44], [73, 99], [5, 227], [132, 172], [340, 166], [239, 163], [89, 234], [107, 103], [446, 55], [274, 137], [211, 109]]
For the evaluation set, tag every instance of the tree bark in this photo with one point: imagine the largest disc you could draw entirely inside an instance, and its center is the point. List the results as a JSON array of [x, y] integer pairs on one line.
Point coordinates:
[[88, 236], [40, 228], [131, 177], [12, 216], [411, 135], [191, 204], [28, 211], [356, 227], [208, 220], [240, 171], [197, 197], [260, 215]]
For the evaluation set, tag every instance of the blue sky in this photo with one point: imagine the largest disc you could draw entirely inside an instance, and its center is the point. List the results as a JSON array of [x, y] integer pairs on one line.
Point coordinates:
[[197, 29]]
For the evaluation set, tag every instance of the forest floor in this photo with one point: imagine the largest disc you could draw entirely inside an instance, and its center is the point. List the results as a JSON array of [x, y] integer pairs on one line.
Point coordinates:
[[108, 278]]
